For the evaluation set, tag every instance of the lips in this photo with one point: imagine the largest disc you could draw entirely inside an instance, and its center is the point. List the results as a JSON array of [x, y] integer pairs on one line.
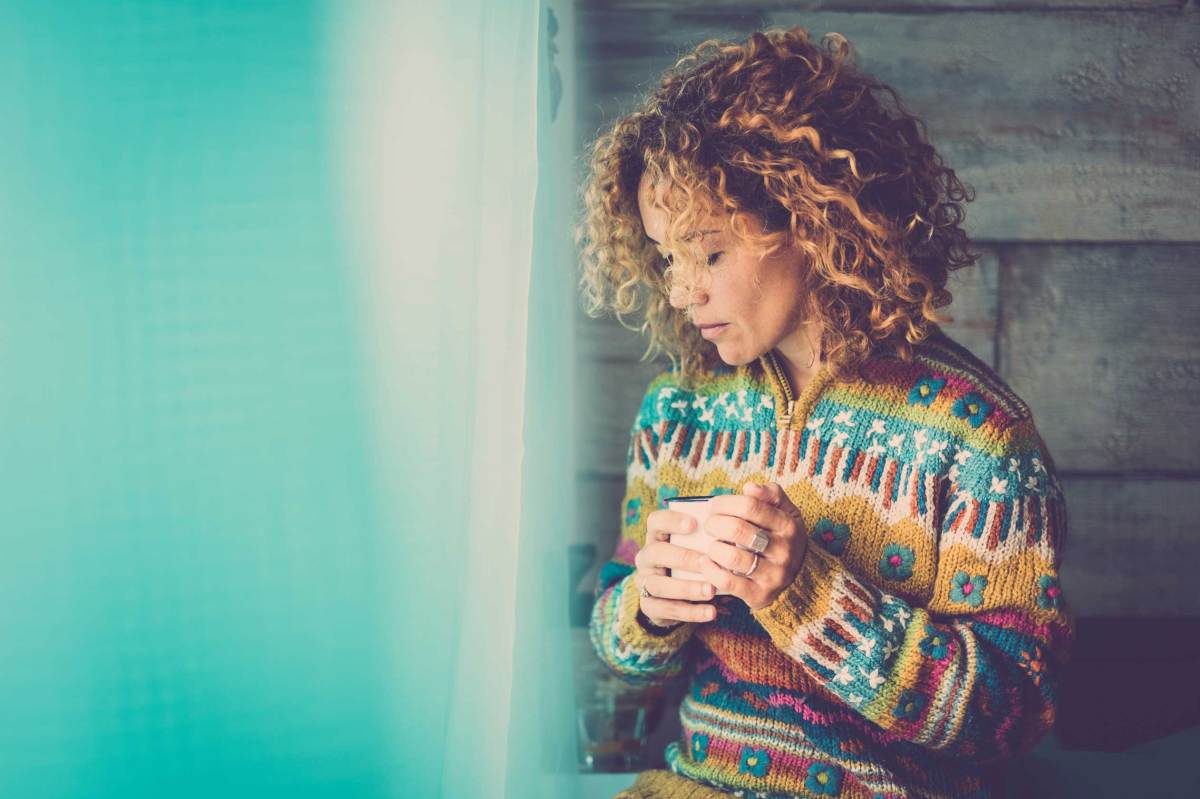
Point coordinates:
[[710, 331], [718, 324]]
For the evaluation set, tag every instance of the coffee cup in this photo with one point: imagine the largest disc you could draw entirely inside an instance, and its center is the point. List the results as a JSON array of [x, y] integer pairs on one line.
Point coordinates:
[[698, 508]]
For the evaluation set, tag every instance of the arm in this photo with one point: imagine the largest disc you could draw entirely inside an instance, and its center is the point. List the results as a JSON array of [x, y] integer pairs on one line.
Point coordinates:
[[639, 652], [975, 674]]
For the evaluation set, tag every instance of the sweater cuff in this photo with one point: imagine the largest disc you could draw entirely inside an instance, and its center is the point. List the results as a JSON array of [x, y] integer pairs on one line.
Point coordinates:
[[809, 622], [653, 628], [638, 636], [796, 618], [849, 634]]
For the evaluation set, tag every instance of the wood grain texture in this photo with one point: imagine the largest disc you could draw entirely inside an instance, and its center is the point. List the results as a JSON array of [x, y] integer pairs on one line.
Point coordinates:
[[974, 307], [1068, 125], [611, 392], [873, 6], [1130, 546], [1103, 342]]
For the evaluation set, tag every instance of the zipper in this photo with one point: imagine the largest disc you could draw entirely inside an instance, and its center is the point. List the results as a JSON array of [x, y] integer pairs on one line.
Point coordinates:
[[782, 421]]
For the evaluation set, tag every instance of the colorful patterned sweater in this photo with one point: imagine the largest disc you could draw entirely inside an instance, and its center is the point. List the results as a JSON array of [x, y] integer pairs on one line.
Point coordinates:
[[921, 643]]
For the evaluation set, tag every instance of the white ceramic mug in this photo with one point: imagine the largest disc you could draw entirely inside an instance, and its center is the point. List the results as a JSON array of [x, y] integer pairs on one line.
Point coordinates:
[[698, 508]]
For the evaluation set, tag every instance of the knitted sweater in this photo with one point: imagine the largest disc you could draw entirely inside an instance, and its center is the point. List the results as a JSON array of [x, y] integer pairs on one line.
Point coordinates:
[[920, 644]]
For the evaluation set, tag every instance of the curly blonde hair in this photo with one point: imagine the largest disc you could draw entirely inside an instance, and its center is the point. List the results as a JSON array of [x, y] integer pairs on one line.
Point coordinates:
[[792, 142]]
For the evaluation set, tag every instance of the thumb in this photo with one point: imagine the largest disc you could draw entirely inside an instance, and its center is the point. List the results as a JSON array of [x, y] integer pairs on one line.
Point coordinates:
[[773, 494], [770, 493]]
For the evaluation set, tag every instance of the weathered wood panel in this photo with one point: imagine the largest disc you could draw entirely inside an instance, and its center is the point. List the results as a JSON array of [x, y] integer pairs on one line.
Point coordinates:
[[1131, 546], [1103, 342], [610, 392], [872, 6], [598, 518], [974, 307], [612, 380], [1070, 126], [1130, 542]]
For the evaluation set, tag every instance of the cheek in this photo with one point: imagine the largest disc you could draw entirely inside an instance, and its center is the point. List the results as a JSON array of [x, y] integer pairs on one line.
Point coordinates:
[[737, 294], [781, 296]]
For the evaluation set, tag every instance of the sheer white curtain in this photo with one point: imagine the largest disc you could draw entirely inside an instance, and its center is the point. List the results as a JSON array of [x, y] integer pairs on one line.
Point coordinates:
[[438, 113]]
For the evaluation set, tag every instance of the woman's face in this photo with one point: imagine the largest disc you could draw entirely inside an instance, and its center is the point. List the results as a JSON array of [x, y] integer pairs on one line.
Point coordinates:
[[758, 302]]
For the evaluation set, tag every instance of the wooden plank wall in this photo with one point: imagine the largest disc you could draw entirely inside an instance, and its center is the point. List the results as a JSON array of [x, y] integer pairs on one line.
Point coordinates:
[[1078, 124]]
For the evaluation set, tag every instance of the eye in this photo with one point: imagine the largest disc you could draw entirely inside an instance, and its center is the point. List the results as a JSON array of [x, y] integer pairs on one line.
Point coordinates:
[[712, 259]]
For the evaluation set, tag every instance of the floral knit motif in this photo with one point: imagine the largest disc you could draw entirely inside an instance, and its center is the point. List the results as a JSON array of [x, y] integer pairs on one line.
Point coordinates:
[[921, 642]]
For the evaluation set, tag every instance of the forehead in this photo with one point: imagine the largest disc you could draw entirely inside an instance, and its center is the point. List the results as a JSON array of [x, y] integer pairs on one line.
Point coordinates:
[[655, 220]]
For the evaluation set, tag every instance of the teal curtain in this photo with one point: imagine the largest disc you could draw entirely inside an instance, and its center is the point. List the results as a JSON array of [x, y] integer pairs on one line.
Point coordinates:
[[270, 525]]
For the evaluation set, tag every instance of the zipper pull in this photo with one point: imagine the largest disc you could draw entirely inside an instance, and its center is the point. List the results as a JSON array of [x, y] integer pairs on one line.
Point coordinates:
[[786, 419]]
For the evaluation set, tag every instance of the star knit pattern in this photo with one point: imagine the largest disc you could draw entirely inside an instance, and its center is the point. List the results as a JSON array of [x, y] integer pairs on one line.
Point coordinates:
[[920, 646]]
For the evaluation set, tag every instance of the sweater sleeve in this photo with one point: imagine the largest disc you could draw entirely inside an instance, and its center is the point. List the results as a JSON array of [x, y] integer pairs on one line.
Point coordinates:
[[623, 638], [976, 672]]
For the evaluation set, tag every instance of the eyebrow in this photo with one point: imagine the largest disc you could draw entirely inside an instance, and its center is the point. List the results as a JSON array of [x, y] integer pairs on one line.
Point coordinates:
[[701, 234]]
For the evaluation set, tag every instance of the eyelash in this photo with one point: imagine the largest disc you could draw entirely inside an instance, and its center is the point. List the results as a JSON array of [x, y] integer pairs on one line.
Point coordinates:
[[712, 259]]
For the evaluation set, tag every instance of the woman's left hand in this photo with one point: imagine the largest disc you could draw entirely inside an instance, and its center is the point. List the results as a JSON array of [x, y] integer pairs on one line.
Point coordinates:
[[735, 519]]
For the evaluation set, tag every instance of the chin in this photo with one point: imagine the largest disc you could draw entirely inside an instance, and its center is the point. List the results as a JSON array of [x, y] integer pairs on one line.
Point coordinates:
[[738, 358]]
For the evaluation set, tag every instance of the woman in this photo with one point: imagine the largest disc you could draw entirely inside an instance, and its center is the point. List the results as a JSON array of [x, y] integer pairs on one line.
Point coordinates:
[[879, 612]]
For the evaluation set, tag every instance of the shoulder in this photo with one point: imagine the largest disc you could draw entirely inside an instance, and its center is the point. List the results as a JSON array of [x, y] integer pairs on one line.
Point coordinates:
[[948, 385], [948, 409]]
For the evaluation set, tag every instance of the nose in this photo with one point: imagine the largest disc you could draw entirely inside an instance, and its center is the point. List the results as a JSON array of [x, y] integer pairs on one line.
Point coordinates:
[[683, 297], [689, 287]]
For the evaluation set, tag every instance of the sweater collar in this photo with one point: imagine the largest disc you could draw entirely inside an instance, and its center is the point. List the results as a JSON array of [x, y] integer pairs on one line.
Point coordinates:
[[792, 406]]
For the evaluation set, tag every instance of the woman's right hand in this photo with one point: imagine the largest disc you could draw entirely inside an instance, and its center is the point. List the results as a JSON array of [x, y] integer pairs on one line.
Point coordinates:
[[672, 599]]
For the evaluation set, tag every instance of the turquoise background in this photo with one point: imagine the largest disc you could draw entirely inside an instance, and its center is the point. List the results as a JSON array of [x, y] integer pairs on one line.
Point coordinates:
[[233, 513], [189, 580]]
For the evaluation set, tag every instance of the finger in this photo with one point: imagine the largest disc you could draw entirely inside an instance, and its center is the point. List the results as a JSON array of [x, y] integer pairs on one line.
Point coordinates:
[[737, 560], [784, 502], [727, 582], [643, 565], [758, 514], [677, 610], [663, 523], [679, 588], [669, 556], [773, 494], [739, 532], [756, 490], [645, 561]]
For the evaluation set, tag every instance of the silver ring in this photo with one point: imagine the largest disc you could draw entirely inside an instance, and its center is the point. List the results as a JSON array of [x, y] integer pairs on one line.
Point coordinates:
[[645, 592], [752, 568], [759, 543]]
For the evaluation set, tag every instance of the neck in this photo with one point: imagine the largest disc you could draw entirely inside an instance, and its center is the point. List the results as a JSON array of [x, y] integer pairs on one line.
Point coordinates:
[[798, 354]]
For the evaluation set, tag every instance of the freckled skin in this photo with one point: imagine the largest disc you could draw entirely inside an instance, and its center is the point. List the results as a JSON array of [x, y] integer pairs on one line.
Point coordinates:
[[760, 316]]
